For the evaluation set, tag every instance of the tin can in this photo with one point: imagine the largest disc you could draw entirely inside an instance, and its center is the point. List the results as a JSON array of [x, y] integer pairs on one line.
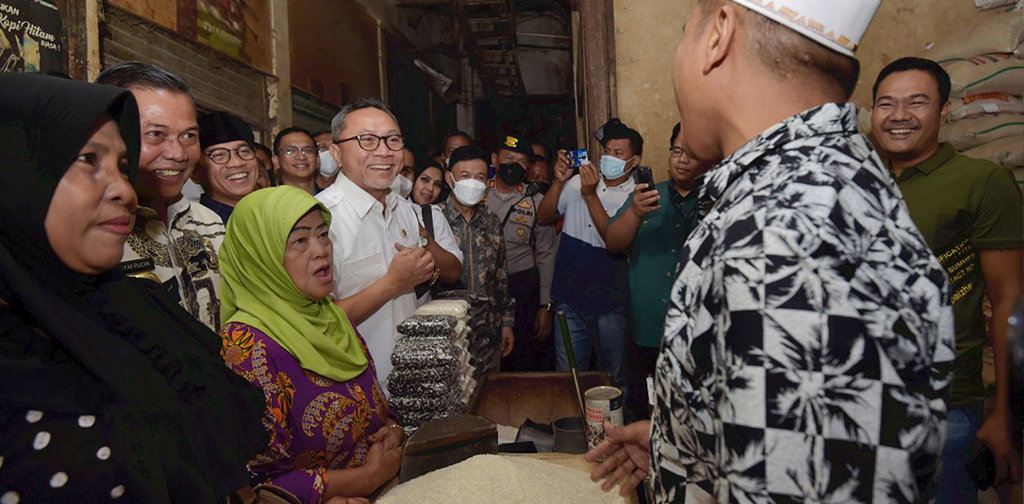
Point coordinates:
[[602, 403]]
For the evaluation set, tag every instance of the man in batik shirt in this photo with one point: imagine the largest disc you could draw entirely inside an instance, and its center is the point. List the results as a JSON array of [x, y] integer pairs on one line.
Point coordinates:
[[479, 235], [808, 346], [174, 241]]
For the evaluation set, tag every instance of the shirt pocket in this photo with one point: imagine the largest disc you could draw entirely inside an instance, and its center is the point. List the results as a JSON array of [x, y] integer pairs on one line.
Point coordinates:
[[358, 274], [653, 221]]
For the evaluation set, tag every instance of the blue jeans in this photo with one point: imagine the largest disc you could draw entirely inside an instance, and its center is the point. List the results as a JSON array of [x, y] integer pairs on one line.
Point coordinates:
[[956, 486], [611, 333]]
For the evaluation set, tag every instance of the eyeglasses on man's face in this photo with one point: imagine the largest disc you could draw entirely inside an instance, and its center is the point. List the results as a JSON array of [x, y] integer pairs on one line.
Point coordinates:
[[370, 142], [222, 155], [675, 152], [291, 151]]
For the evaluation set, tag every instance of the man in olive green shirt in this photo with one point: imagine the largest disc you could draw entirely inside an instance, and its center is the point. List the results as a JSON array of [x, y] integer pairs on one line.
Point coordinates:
[[971, 214]]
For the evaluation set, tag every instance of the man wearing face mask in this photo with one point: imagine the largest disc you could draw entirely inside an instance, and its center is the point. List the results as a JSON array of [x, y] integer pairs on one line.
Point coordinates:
[[402, 185], [329, 170], [478, 233], [530, 249], [591, 283]]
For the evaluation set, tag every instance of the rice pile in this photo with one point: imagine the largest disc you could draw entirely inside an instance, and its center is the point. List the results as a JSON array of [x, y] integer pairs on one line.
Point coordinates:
[[493, 479]]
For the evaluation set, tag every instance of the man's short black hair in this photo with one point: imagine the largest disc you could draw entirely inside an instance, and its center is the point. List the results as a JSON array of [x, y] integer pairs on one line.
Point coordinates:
[[675, 133], [287, 131], [547, 151], [453, 134], [266, 150], [616, 130], [131, 74], [911, 63], [787, 52], [469, 153]]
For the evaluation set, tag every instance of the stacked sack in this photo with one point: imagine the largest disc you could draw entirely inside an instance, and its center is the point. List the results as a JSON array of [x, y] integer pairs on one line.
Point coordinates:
[[428, 362], [984, 62], [480, 319]]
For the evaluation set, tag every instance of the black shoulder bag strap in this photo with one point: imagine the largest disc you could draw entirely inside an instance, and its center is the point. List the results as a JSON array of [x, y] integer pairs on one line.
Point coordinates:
[[428, 219]]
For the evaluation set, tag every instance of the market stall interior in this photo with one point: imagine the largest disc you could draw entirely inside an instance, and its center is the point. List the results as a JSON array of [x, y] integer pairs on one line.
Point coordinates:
[[526, 235]]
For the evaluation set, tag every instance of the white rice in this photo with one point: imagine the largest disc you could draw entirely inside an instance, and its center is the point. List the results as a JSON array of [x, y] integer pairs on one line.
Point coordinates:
[[494, 479]]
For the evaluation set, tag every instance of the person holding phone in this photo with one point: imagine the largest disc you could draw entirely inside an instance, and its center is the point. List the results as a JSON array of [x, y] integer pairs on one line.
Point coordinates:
[[590, 284], [653, 235]]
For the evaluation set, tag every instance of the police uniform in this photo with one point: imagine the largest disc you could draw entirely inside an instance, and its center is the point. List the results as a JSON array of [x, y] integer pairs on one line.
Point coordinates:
[[530, 249]]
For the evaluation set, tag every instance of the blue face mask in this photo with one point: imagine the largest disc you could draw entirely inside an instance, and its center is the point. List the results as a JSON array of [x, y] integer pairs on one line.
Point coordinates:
[[613, 167]]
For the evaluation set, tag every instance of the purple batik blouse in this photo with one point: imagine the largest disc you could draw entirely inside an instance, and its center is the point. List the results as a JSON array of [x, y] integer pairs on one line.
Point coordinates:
[[315, 423]]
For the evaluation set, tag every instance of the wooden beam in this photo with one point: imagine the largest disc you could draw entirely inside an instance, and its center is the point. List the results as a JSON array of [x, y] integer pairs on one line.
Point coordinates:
[[596, 71], [279, 104], [92, 39]]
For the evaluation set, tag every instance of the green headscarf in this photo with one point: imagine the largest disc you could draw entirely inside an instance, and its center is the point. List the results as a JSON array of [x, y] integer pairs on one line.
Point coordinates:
[[256, 289]]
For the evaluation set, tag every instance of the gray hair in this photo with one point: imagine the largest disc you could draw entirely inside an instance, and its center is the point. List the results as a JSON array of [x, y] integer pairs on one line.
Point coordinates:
[[338, 124]]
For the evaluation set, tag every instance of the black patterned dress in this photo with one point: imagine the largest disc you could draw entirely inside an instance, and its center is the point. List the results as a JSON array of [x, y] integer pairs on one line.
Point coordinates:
[[809, 343]]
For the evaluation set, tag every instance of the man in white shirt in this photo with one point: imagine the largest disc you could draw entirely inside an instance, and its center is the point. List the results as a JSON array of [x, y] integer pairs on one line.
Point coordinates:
[[380, 250], [591, 283]]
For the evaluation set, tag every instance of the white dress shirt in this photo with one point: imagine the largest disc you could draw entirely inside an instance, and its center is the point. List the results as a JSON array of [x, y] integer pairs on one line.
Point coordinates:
[[364, 236]]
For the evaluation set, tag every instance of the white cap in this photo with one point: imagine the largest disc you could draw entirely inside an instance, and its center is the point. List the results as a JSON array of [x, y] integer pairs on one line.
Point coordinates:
[[836, 24]]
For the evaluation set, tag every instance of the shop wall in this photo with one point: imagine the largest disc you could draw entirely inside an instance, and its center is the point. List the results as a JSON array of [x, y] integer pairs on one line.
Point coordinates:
[[239, 28], [648, 31], [334, 50], [217, 81]]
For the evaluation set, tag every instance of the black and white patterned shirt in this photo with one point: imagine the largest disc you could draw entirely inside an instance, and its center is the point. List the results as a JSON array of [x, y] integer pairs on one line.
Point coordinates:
[[809, 343]]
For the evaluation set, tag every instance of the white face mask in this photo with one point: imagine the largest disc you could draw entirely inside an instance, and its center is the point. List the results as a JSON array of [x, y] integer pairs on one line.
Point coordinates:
[[401, 186], [328, 167], [469, 191]]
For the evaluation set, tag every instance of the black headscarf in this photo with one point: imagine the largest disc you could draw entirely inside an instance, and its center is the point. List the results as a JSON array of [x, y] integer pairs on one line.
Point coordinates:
[[106, 344]]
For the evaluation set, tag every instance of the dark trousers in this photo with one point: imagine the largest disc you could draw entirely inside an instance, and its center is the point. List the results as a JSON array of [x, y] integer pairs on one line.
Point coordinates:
[[528, 354], [640, 363]]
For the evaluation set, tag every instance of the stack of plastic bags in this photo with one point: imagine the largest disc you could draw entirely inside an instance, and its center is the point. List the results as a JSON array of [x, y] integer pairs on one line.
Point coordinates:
[[984, 63], [433, 374], [480, 320], [424, 382]]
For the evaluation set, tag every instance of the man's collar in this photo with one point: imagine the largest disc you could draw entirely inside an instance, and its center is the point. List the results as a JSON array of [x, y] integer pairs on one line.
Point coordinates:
[[516, 191], [361, 200], [938, 159], [827, 119], [208, 201]]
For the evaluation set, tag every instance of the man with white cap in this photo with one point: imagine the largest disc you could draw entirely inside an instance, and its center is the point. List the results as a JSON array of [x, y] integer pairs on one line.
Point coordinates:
[[809, 342]]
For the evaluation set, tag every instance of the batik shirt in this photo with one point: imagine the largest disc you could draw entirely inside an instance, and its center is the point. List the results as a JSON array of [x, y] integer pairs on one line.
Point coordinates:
[[809, 342], [316, 424], [182, 256], [484, 265]]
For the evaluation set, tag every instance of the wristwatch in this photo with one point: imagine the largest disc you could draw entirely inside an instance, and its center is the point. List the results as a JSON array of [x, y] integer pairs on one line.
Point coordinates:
[[548, 306], [424, 240]]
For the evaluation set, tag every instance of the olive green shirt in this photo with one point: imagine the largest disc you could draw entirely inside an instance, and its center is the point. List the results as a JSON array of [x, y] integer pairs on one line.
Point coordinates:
[[962, 205]]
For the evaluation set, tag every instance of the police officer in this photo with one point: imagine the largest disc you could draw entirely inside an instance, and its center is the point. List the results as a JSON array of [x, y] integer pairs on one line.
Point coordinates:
[[530, 249]]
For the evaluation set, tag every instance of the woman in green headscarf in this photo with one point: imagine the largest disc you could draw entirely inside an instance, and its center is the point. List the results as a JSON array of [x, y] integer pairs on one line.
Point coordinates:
[[326, 413]]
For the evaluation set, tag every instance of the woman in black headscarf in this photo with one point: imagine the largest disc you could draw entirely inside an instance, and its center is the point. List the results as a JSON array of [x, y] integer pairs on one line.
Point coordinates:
[[109, 390]]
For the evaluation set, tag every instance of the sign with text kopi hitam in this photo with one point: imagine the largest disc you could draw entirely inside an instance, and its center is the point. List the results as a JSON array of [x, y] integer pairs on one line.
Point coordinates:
[[30, 36]]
